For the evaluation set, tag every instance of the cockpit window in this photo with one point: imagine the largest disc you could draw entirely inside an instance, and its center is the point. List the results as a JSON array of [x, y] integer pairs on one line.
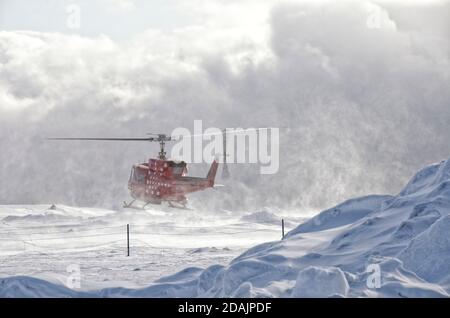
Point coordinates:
[[139, 175], [177, 167], [178, 170], [131, 176]]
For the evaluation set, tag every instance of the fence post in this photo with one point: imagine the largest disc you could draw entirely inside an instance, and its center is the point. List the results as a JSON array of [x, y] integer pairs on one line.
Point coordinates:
[[282, 229], [128, 239]]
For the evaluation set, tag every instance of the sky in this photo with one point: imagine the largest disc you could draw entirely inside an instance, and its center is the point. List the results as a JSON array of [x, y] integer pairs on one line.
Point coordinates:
[[118, 19], [362, 87]]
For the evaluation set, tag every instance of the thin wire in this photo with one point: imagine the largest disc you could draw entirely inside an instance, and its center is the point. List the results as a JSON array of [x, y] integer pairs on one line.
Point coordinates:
[[58, 225], [148, 224], [84, 247], [146, 233], [234, 225], [69, 237], [197, 234], [135, 225], [61, 232]]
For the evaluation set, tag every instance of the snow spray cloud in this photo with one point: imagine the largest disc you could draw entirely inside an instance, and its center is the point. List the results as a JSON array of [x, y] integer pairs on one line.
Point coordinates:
[[228, 145], [365, 98]]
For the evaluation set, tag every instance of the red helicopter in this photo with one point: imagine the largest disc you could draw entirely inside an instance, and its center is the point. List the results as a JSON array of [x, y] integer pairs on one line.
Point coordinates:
[[161, 179]]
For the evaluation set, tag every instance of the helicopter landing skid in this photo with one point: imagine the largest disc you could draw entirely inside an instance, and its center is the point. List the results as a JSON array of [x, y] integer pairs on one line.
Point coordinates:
[[181, 207], [130, 205], [127, 205]]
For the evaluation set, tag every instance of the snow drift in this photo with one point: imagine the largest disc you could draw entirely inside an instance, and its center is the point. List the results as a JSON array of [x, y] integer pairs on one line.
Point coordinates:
[[373, 246]]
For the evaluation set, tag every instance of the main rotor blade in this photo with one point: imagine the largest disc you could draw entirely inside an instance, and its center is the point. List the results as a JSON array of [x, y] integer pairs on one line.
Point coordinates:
[[106, 139], [231, 131]]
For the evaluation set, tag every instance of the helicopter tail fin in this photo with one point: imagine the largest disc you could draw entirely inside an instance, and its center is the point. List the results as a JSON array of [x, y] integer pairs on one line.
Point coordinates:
[[212, 172]]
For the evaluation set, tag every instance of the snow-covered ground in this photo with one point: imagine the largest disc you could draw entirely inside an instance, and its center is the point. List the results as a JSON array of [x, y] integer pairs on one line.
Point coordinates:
[[48, 243], [373, 246]]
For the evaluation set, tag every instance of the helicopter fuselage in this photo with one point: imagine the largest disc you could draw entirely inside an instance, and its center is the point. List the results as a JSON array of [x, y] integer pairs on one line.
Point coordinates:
[[166, 180]]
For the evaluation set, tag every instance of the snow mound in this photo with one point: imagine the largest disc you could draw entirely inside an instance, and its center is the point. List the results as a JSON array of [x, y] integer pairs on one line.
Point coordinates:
[[428, 255], [401, 242], [313, 282], [261, 217], [393, 281], [28, 287], [40, 218], [344, 213], [207, 250], [206, 280], [184, 275], [53, 214], [373, 246], [435, 174]]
